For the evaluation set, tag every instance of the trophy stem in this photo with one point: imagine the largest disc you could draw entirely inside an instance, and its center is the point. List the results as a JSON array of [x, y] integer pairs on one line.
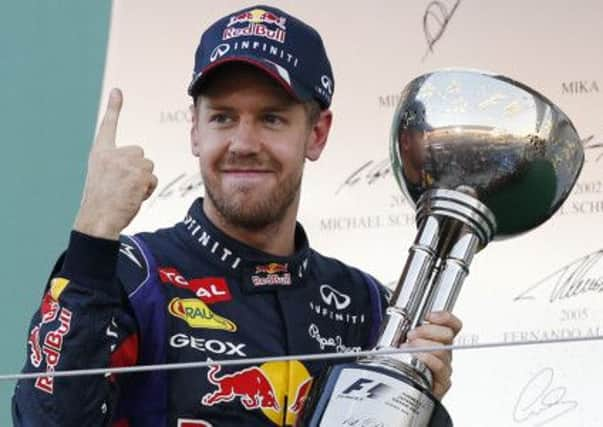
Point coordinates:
[[453, 226], [412, 285], [451, 277]]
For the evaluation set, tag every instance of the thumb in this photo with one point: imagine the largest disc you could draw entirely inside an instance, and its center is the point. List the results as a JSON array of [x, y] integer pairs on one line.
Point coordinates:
[[108, 128]]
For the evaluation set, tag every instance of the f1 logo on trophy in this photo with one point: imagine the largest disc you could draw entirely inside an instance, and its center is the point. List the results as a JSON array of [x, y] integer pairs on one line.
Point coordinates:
[[481, 157]]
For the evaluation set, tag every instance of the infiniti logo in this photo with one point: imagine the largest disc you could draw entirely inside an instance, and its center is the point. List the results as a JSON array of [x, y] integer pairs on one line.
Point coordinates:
[[219, 51], [332, 296], [327, 84]]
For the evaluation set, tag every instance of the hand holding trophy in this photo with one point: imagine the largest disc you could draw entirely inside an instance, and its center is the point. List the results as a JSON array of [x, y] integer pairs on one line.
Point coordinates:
[[480, 156]]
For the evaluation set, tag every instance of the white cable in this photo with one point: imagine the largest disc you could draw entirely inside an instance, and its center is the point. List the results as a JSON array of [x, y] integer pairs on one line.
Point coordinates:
[[300, 357]]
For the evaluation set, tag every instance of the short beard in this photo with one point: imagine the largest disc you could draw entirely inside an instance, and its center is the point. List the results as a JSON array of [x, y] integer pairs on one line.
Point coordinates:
[[263, 214]]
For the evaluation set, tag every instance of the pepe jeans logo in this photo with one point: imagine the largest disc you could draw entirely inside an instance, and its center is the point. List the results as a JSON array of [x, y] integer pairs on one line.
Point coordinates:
[[334, 342], [333, 297]]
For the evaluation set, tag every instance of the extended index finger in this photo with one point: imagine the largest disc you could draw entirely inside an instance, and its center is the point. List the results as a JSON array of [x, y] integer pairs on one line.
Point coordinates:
[[108, 127]]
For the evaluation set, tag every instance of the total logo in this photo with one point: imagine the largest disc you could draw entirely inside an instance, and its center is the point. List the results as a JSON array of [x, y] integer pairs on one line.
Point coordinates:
[[334, 305], [208, 289], [198, 315], [278, 389]]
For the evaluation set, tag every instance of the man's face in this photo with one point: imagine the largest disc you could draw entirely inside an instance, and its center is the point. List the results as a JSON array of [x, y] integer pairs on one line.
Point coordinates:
[[252, 139]]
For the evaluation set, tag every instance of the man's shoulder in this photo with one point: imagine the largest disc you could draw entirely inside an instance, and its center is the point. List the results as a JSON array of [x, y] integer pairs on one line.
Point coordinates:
[[336, 269], [351, 289], [138, 253]]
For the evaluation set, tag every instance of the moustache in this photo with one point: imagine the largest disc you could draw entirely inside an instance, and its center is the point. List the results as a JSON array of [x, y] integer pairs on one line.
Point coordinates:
[[251, 161]]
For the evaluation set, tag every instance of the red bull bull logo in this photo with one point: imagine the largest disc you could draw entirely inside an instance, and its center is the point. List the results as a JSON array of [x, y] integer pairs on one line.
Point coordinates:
[[34, 344], [278, 389], [249, 385], [49, 308], [261, 23], [300, 396], [272, 268], [258, 16], [271, 274]]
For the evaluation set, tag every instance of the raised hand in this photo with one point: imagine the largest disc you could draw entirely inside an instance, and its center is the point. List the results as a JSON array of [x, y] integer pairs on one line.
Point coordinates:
[[119, 179]]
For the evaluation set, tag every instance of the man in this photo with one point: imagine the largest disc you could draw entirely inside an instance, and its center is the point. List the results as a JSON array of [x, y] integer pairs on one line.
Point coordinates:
[[235, 279], [413, 149]]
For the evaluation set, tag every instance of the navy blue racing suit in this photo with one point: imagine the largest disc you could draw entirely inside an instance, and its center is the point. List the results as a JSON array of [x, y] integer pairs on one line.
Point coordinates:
[[183, 294]]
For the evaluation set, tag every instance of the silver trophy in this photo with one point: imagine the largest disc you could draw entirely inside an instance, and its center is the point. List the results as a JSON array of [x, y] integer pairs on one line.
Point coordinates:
[[480, 156]]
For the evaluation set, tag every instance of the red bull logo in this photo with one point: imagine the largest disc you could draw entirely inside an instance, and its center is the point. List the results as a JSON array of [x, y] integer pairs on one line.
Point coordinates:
[[258, 16], [300, 396], [249, 385], [272, 268], [271, 274], [49, 308], [34, 344], [57, 286], [260, 23], [51, 349], [278, 389]]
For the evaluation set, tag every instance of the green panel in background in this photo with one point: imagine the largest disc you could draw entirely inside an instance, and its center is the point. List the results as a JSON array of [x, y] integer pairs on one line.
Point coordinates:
[[52, 57]]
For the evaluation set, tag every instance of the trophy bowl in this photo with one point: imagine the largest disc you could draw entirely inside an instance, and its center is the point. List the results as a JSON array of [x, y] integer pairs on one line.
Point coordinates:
[[489, 136]]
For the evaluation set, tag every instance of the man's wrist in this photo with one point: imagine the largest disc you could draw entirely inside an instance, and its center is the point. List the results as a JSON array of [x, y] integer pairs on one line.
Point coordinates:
[[96, 228]]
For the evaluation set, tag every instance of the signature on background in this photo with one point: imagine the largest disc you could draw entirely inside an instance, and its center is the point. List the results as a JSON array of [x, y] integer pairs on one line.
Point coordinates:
[[590, 144], [435, 20], [572, 280], [539, 402], [179, 187], [370, 172]]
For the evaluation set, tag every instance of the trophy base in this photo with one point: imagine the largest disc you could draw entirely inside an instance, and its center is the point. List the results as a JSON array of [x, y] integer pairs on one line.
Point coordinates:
[[370, 394]]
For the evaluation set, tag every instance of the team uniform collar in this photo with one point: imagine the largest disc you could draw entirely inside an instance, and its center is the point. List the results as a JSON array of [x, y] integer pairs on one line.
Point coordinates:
[[258, 270]]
